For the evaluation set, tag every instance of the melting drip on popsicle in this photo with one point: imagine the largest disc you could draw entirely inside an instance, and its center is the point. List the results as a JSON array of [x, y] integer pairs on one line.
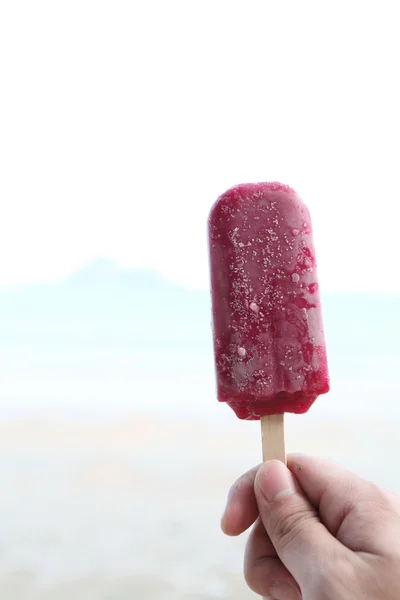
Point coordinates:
[[268, 336]]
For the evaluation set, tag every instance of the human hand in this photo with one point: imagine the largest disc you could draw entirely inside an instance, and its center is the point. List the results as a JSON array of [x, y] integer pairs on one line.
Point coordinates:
[[320, 533]]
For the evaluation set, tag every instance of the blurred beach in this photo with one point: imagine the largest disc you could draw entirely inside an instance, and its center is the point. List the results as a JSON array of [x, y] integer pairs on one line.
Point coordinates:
[[131, 508]]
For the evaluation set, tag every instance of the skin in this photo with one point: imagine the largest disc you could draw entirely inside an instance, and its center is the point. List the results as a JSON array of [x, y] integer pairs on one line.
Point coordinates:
[[319, 532]]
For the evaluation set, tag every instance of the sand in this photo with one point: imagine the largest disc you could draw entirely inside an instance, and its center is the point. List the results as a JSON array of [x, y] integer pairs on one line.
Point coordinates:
[[131, 509]]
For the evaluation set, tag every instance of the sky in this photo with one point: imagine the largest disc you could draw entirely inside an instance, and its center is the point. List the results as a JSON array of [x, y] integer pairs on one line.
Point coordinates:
[[121, 122]]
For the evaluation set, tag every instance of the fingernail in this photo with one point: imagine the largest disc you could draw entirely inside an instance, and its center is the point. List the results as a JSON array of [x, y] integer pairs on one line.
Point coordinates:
[[275, 480], [285, 591]]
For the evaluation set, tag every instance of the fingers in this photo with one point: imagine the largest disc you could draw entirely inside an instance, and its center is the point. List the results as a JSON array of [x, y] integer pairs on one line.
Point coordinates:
[[324, 483], [318, 478], [328, 487], [292, 523], [303, 510], [337, 494], [241, 509], [331, 489], [264, 571]]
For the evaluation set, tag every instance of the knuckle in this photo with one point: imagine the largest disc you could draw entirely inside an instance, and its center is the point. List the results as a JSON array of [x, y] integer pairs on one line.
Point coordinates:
[[259, 566], [248, 572], [288, 527], [258, 575], [251, 572]]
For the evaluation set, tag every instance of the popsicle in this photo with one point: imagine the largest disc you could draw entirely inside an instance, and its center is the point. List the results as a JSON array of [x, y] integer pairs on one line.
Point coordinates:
[[269, 346]]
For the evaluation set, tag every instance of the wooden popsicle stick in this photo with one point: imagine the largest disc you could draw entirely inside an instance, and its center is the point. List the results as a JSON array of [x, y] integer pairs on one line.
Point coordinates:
[[273, 438]]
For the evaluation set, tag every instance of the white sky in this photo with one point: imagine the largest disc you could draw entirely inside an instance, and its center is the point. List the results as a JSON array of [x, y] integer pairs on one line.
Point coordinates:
[[122, 121]]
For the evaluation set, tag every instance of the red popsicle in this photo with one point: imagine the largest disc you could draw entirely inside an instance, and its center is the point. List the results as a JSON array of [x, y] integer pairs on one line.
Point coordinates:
[[269, 343]]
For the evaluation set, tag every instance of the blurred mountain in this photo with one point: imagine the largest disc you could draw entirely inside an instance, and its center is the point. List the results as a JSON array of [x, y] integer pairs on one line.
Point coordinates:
[[110, 338], [105, 339], [103, 297]]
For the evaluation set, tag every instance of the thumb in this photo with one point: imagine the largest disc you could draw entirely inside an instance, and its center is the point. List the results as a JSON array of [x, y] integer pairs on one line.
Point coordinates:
[[300, 539]]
